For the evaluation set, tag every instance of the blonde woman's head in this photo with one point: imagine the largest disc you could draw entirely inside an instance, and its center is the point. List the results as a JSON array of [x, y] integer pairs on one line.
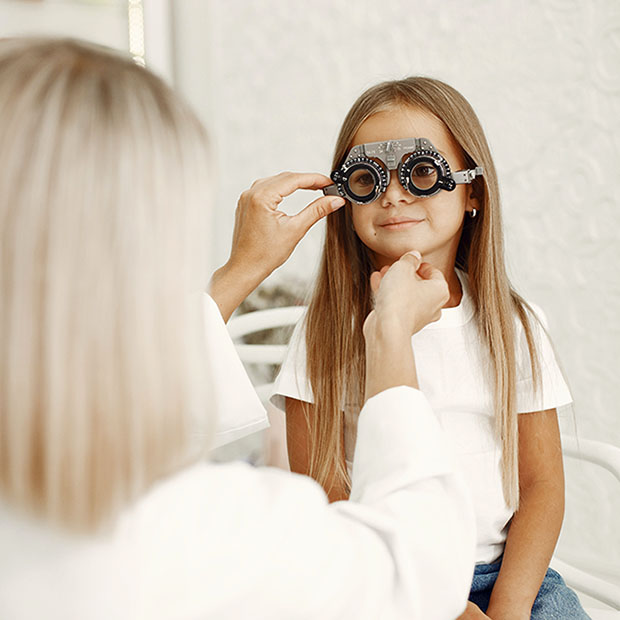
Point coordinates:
[[103, 196]]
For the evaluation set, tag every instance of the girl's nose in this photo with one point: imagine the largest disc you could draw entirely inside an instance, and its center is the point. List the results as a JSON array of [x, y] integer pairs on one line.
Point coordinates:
[[395, 193]]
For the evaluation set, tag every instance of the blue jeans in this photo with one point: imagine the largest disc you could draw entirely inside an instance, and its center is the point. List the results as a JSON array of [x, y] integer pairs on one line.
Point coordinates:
[[555, 600]]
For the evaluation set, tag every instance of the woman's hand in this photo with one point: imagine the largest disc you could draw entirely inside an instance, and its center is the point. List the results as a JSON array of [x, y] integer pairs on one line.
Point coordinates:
[[264, 237], [472, 612], [408, 295]]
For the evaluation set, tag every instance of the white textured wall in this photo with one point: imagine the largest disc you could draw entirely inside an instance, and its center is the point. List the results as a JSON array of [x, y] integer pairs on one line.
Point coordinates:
[[274, 79], [103, 22]]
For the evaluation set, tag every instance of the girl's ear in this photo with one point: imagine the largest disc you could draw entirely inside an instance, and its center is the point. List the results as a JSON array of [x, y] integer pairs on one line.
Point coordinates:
[[472, 203], [475, 194]]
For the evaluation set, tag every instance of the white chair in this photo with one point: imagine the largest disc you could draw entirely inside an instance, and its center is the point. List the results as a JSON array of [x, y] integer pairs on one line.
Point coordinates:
[[252, 322], [604, 595], [607, 457]]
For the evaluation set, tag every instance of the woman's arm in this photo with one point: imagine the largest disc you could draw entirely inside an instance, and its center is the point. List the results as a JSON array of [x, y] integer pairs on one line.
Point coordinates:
[[535, 527], [387, 363], [298, 444], [402, 547]]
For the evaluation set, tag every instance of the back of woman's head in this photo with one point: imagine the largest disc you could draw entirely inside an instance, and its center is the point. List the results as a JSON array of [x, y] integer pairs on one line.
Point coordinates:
[[103, 191]]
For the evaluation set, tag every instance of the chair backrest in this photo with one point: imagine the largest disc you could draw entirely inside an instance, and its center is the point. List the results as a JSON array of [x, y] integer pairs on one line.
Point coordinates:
[[585, 576], [252, 322]]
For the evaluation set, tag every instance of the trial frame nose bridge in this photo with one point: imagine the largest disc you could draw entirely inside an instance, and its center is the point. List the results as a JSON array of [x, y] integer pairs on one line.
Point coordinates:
[[390, 152]]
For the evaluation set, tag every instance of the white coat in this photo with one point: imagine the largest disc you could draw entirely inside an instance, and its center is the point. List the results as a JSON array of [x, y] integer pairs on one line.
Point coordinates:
[[234, 542]]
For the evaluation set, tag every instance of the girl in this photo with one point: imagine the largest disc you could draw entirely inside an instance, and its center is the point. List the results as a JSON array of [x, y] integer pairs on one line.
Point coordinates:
[[486, 366]]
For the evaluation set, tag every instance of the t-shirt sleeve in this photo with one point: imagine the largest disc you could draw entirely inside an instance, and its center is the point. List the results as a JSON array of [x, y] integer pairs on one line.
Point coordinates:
[[553, 391], [238, 409], [292, 380]]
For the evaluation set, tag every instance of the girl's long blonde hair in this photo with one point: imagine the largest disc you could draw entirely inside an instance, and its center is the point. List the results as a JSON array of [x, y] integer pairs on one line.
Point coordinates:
[[103, 238], [341, 299]]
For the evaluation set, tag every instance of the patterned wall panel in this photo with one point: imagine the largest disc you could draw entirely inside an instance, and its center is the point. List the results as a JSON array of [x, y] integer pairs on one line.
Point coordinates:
[[544, 77]]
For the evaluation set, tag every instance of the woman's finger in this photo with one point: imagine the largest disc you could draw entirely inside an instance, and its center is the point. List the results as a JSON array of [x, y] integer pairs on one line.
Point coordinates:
[[285, 183], [428, 272], [413, 257], [375, 280], [377, 276], [316, 210]]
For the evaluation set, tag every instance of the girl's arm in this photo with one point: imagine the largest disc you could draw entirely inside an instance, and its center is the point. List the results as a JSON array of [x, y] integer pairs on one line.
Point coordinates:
[[298, 442], [535, 527]]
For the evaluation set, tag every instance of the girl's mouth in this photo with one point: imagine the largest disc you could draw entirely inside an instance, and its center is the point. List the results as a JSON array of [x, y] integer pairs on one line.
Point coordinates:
[[400, 223]]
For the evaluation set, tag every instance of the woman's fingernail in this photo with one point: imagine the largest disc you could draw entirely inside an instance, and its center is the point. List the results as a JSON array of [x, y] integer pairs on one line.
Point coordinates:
[[337, 202], [415, 253]]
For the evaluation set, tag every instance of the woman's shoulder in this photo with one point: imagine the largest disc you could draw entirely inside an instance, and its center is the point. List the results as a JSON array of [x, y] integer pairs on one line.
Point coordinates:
[[234, 499], [192, 528]]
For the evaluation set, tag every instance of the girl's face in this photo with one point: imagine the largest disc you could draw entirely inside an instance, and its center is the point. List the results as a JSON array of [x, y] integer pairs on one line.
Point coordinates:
[[397, 221]]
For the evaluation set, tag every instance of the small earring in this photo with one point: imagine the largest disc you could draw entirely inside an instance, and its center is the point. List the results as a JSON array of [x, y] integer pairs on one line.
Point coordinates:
[[473, 213]]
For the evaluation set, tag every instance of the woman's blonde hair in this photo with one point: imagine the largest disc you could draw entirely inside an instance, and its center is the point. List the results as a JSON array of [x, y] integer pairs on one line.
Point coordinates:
[[341, 299], [103, 196]]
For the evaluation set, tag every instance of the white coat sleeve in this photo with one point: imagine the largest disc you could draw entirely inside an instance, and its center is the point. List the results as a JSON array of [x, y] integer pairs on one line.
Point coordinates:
[[227, 542], [237, 407], [268, 545], [233, 542], [411, 531]]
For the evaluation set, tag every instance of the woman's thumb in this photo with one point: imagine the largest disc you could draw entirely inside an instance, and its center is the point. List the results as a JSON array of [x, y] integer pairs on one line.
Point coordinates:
[[414, 257]]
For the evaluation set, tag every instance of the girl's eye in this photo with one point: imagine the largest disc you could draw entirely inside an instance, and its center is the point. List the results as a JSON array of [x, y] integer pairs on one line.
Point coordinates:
[[365, 180], [424, 175], [423, 171], [362, 182]]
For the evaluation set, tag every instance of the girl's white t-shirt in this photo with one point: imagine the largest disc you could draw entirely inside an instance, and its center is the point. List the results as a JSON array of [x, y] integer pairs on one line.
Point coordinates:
[[453, 373]]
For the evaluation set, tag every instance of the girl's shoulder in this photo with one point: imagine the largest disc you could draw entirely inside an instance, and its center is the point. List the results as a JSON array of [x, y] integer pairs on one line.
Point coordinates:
[[550, 389], [292, 380], [536, 321]]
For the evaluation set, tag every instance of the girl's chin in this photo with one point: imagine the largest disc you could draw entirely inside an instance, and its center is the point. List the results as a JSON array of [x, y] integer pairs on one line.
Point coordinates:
[[381, 260], [391, 256]]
